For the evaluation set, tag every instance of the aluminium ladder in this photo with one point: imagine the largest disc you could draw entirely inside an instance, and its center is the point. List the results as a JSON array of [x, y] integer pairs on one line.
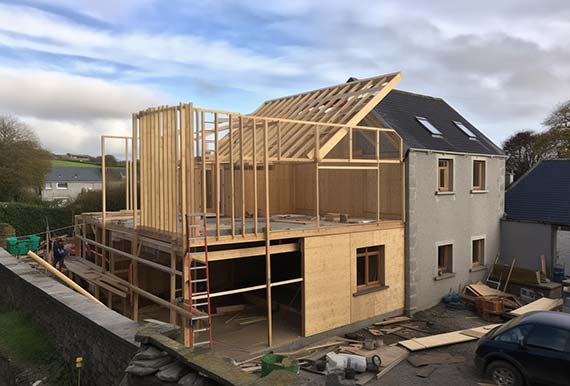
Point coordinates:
[[198, 282]]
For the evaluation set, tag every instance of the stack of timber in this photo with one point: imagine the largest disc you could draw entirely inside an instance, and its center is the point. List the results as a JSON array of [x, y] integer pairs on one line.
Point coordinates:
[[491, 304]]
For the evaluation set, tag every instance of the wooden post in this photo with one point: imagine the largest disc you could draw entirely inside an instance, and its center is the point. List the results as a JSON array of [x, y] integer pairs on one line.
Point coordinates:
[[232, 177], [378, 177], [135, 251], [173, 281], [184, 168], [317, 208], [104, 203], [134, 185], [267, 237], [254, 160], [217, 175], [204, 187], [127, 176], [403, 180], [242, 175]]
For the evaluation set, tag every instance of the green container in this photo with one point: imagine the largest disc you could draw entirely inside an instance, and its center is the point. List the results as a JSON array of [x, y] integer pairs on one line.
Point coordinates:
[[21, 245], [271, 362]]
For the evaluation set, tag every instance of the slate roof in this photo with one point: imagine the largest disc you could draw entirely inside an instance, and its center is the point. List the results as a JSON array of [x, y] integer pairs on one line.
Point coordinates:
[[399, 109], [541, 195], [71, 174]]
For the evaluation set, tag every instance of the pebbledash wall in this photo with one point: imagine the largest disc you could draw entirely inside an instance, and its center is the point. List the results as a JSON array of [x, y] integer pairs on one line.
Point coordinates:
[[78, 326], [456, 218]]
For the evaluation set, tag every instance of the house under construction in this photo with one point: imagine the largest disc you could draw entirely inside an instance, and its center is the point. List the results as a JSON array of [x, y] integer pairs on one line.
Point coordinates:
[[290, 218]]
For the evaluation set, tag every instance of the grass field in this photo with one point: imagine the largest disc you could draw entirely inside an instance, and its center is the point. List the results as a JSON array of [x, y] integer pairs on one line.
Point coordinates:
[[28, 347], [72, 164]]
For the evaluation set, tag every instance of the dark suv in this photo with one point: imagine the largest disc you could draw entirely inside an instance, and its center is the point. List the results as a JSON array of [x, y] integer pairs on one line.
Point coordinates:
[[528, 350]]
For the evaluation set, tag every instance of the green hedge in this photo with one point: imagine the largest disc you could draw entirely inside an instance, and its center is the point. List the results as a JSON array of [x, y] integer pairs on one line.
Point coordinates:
[[29, 219]]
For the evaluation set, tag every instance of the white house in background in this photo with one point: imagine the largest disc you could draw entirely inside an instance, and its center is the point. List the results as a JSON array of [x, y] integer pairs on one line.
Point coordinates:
[[65, 183]]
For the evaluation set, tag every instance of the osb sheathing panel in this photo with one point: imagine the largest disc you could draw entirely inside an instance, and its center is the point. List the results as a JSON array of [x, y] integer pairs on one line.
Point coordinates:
[[281, 182], [349, 191], [391, 298], [327, 282], [330, 279]]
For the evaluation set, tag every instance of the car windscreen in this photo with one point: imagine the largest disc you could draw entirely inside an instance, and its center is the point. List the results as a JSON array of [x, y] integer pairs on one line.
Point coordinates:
[[510, 324]]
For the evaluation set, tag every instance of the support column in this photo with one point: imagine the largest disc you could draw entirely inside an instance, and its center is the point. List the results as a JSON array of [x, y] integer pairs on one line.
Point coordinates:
[[267, 236]]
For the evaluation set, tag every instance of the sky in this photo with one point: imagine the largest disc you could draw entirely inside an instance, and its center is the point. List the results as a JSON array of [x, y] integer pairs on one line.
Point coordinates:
[[74, 70]]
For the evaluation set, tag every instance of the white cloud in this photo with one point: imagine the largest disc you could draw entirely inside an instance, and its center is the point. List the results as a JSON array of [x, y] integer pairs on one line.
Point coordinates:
[[69, 113], [501, 64], [54, 95]]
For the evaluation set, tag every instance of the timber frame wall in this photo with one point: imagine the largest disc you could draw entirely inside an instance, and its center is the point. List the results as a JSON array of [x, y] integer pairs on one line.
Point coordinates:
[[186, 160]]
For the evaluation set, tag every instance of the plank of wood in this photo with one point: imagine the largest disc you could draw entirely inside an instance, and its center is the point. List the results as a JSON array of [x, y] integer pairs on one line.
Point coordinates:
[[390, 330], [542, 304], [445, 339], [484, 290], [251, 321], [401, 355], [397, 319]]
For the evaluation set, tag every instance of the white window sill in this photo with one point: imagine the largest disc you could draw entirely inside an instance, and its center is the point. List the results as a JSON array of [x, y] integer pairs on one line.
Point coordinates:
[[475, 191], [438, 193], [478, 268], [444, 276]]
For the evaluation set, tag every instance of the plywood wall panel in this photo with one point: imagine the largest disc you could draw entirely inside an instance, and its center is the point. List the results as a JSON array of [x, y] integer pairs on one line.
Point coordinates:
[[327, 282], [330, 279]]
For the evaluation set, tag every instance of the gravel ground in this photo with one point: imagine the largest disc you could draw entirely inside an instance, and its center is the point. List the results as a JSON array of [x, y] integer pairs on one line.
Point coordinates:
[[441, 320], [436, 320]]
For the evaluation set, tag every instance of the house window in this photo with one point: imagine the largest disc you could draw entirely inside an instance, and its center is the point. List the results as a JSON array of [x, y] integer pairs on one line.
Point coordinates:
[[445, 175], [61, 185], [48, 186], [444, 259], [478, 175], [370, 267], [478, 252]]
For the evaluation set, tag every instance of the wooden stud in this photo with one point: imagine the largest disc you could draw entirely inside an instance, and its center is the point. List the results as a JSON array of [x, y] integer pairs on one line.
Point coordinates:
[[267, 236], [217, 175], [232, 178], [242, 164], [204, 187], [254, 160]]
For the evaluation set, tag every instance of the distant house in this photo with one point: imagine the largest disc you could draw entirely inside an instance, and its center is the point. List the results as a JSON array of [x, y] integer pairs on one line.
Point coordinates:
[[455, 183], [537, 220], [65, 183]]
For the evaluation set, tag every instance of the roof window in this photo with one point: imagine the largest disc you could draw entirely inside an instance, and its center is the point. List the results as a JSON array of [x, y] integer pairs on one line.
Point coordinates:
[[465, 130], [427, 124]]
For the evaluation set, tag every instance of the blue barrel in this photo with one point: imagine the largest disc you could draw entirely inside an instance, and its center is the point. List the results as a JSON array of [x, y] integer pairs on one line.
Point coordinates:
[[558, 274]]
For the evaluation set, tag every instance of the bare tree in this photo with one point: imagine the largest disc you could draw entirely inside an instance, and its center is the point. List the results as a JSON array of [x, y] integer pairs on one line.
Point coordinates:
[[23, 162]]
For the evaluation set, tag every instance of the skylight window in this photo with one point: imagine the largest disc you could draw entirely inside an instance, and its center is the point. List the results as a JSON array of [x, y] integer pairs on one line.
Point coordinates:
[[427, 124], [464, 128]]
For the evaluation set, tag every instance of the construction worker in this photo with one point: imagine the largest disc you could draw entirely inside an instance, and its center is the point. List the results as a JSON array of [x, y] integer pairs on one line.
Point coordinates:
[[59, 254]]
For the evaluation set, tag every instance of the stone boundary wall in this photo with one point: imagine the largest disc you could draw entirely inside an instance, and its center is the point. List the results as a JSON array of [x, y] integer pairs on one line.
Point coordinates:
[[79, 327]]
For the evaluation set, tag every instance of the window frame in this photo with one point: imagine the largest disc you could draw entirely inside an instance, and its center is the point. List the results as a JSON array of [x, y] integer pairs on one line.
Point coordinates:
[[439, 272], [366, 253], [57, 185], [481, 262], [481, 185], [450, 175]]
